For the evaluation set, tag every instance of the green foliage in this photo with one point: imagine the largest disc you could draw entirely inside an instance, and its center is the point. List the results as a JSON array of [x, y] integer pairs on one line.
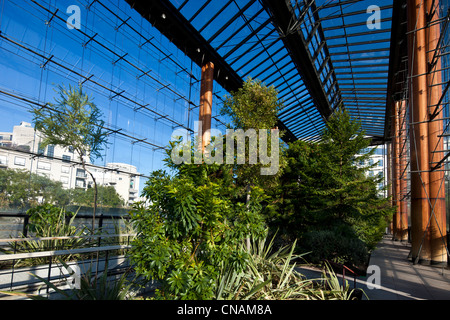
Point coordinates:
[[334, 245], [107, 197], [325, 187], [49, 221], [73, 121], [22, 189], [254, 106], [193, 225], [271, 274]]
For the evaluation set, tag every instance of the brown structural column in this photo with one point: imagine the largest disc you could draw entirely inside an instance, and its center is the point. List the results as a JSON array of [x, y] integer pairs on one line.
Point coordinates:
[[206, 91], [417, 63], [389, 179], [395, 171], [438, 225], [402, 171]]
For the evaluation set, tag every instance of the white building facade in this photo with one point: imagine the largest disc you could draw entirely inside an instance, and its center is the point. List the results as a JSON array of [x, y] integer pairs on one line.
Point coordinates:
[[21, 149], [378, 158]]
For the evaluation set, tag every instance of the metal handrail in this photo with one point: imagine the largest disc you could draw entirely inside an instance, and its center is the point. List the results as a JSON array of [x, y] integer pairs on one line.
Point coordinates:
[[65, 237], [49, 254], [52, 253]]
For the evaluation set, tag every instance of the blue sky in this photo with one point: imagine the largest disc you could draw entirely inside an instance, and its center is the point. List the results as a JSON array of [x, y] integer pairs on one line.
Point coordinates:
[[160, 91]]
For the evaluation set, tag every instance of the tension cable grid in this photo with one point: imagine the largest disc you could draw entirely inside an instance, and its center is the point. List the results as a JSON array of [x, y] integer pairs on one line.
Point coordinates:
[[29, 101], [123, 58], [419, 171]]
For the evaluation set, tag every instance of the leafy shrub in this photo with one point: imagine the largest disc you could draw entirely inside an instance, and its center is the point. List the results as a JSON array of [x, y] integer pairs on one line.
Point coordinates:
[[192, 226], [335, 246]]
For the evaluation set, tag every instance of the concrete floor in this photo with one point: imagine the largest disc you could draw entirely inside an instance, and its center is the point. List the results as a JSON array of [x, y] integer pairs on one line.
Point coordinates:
[[400, 279]]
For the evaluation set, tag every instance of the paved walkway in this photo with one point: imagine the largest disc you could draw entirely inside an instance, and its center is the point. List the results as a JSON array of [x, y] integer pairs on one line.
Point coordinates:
[[399, 278]]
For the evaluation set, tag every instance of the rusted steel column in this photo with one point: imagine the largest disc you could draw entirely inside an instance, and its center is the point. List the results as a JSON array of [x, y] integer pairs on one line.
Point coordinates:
[[396, 171], [389, 178], [402, 121], [419, 155], [206, 92], [438, 225]]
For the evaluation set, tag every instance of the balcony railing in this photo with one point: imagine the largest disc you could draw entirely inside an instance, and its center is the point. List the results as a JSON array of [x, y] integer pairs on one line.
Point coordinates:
[[25, 279]]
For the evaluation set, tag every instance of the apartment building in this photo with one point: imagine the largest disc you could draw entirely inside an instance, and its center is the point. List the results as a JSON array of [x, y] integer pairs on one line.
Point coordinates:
[[21, 149], [379, 159]]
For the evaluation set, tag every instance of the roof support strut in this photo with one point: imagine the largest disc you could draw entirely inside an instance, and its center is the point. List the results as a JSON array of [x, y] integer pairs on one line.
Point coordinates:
[[282, 14]]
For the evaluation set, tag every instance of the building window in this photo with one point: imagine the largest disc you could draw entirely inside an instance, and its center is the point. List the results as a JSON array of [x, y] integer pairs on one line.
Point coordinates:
[[44, 165], [3, 160], [80, 183], [65, 169], [70, 149], [65, 180], [65, 158], [50, 151], [40, 148], [81, 173], [19, 161]]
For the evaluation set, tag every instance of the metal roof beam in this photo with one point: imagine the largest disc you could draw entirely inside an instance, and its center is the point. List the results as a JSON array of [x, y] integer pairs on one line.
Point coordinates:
[[226, 25], [353, 13], [173, 25], [282, 14]]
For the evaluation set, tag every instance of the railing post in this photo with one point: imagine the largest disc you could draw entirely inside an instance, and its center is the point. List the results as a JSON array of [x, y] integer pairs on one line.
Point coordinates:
[[25, 225]]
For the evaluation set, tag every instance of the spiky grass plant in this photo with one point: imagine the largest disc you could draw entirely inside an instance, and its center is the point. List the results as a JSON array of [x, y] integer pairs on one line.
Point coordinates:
[[272, 274]]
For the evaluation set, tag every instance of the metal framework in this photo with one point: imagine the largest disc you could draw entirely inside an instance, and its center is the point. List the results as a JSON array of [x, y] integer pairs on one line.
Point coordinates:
[[317, 54], [418, 99], [320, 54]]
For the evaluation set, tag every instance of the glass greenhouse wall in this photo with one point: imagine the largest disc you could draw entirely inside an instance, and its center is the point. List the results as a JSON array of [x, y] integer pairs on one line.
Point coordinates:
[[144, 86]]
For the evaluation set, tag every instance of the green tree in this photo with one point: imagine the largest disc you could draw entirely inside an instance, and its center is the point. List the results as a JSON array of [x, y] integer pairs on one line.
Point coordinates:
[[350, 195], [73, 121], [22, 189], [193, 227], [326, 194], [254, 106], [107, 196]]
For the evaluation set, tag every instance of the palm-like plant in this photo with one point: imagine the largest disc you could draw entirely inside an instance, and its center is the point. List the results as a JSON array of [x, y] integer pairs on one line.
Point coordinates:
[[272, 275], [49, 222]]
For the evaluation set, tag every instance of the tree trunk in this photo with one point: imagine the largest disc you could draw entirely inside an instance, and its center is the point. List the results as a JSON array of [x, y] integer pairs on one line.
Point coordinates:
[[95, 201], [247, 202], [95, 195]]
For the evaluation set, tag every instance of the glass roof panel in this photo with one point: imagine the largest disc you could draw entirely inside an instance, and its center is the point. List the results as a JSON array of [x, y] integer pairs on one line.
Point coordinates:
[[349, 55]]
